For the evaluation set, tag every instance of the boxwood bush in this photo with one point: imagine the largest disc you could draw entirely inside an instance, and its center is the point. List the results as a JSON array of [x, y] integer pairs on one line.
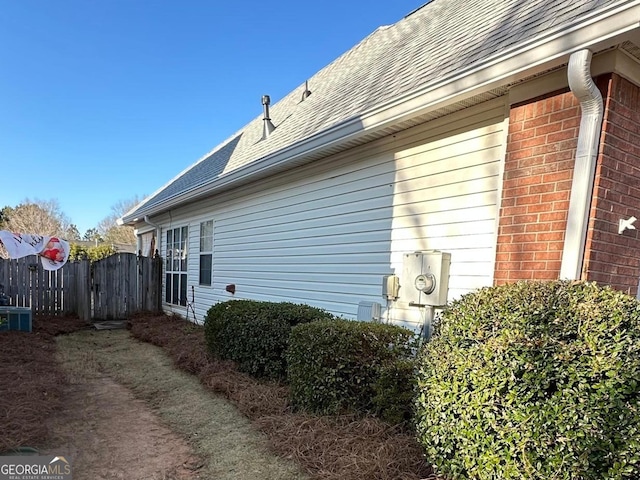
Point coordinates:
[[534, 381], [395, 389], [340, 366], [255, 334]]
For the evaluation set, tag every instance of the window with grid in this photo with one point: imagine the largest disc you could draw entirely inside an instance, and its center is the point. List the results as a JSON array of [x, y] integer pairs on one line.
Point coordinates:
[[176, 266], [206, 252]]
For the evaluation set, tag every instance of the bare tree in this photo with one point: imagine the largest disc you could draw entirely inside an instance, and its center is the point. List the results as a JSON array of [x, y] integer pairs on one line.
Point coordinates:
[[109, 229], [72, 232], [42, 217]]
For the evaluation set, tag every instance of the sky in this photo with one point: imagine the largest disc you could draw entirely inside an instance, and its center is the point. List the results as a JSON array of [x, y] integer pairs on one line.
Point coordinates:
[[105, 100]]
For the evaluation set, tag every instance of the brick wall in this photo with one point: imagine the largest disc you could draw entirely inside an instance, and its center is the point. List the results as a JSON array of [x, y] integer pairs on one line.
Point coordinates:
[[611, 258], [542, 139]]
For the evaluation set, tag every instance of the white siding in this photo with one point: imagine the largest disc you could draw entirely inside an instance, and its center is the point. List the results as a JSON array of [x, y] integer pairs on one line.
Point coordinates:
[[325, 234]]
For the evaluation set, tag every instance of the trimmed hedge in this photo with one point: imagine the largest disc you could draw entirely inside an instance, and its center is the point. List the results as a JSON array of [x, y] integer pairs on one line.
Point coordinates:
[[255, 334], [534, 381], [341, 366], [395, 390]]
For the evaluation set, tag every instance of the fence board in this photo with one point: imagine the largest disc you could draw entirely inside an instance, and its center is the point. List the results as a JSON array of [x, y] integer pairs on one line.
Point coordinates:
[[115, 287], [81, 286], [150, 279]]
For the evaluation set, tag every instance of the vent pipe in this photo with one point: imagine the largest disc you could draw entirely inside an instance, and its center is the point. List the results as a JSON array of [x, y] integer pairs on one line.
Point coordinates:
[[306, 92], [268, 127]]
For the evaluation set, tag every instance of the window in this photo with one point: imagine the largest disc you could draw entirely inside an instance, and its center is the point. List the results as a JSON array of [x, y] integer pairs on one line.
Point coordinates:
[[206, 252], [176, 267]]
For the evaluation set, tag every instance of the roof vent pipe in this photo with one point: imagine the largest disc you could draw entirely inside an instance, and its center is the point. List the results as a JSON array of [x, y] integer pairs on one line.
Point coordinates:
[[268, 127], [586, 91], [306, 92]]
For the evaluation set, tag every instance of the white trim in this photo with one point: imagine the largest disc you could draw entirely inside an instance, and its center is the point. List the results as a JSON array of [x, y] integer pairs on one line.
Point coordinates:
[[523, 92], [505, 132], [621, 63], [612, 61]]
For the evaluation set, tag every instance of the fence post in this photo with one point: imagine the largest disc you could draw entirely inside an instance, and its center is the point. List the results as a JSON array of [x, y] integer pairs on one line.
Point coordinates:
[[156, 282], [83, 289]]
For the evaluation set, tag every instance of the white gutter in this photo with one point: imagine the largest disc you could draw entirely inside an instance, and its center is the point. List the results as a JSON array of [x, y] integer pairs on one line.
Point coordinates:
[[586, 91], [599, 31]]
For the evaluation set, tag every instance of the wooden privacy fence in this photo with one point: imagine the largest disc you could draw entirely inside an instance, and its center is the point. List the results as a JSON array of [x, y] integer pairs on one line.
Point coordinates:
[[124, 284], [114, 287], [62, 291]]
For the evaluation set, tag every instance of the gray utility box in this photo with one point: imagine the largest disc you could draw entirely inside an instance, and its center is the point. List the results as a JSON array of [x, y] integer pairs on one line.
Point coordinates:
[[425, 278]]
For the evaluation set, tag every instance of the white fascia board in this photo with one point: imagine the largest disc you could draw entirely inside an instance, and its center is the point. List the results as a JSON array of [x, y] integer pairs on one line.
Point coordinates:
[[609, 61], [547, 52], [619, 62]]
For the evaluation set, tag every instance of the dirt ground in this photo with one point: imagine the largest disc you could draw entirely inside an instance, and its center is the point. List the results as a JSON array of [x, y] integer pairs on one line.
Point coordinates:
[[109, 434], [128, 413]]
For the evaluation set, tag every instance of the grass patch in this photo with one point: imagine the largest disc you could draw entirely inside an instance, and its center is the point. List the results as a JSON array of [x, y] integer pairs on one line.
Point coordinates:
[[231, 447]]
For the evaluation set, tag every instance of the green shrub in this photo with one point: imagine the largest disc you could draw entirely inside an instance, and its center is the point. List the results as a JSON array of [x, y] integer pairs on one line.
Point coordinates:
[[334, 366], [394, 391], [100, 252], [534, 381], [79, 252], [255, 334]]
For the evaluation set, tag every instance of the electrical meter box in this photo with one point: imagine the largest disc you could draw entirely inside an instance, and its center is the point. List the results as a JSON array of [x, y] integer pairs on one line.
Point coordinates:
[[425, 278]]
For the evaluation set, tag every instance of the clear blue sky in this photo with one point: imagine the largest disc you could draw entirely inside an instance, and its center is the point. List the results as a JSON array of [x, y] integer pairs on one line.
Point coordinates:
[[102, 100]]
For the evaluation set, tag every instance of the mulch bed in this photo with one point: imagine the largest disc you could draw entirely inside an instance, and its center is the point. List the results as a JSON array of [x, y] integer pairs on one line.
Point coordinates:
[[344, 447], [31, 381]]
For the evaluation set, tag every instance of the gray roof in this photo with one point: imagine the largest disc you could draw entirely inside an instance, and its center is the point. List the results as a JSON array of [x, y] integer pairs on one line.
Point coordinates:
[[433, 43]]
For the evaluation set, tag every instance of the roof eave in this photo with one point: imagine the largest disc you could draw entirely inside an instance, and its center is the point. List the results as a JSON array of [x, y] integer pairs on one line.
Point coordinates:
[[596, 33]]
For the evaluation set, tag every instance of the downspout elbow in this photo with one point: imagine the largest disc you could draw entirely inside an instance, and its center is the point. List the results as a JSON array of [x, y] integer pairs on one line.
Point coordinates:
[[591, 104]]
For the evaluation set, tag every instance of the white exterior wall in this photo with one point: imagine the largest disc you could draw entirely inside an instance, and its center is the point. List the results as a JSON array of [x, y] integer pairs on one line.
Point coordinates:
[[325, 234]]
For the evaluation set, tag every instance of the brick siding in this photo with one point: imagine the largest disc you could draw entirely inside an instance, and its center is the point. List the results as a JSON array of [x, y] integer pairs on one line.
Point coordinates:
[[611, 258], [541, 146]]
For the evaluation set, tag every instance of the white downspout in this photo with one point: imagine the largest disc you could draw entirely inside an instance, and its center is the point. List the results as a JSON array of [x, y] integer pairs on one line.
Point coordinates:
[[158, 232], [586, 91]]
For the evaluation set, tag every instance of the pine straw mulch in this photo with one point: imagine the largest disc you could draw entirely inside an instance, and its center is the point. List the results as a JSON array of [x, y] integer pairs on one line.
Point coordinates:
[[31, 380], [329, 448]]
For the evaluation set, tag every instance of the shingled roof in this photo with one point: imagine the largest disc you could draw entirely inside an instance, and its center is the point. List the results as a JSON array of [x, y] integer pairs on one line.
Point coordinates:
[[437, 42]]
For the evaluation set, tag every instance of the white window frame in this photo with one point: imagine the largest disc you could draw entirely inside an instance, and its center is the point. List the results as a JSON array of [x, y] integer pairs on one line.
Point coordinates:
[[176, 265], [206, 253]]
